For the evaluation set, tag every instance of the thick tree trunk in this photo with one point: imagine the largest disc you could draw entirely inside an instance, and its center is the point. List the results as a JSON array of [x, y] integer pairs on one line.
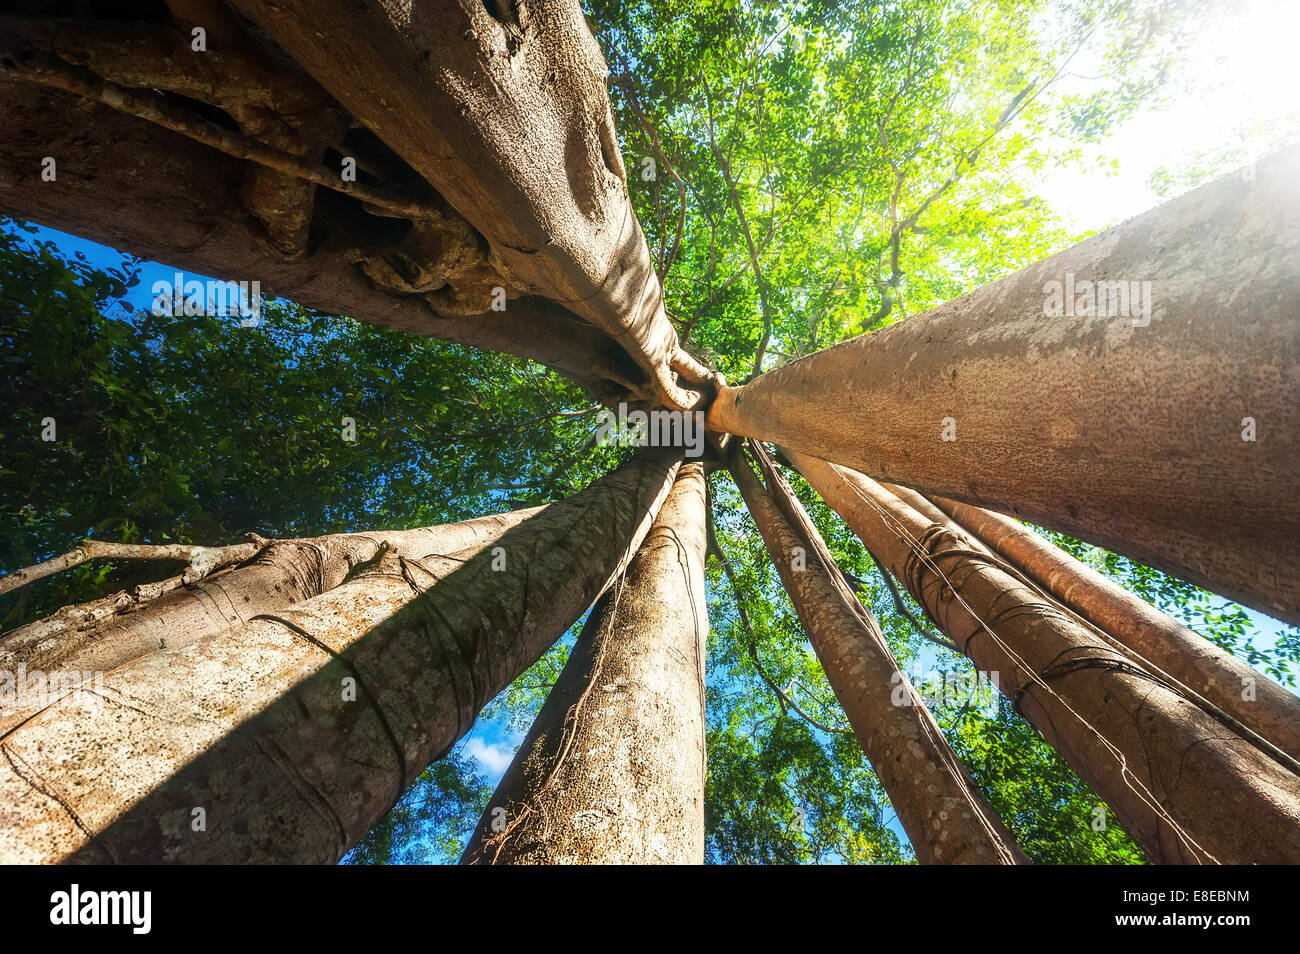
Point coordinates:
[[286, 738], [285, 573], [945, 815], [185, 205], [1250, 697], [1259, 705], [1125, 434], [612, 771], [503, 109], [1182, 784]]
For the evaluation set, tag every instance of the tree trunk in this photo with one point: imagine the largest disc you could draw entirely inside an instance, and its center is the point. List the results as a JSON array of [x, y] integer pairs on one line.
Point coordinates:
[[945, 815], [188, 206], [1182, 784], [285, 573], [503, 109], [1248, 696], [612, 771], [286, 738], [1171, 442], [922, 505]]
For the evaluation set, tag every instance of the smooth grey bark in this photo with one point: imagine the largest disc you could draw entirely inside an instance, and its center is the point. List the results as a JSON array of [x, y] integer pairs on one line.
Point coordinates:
[[612, 771], [947, 818], [1184, 786], [290, 735], [1124, 434]]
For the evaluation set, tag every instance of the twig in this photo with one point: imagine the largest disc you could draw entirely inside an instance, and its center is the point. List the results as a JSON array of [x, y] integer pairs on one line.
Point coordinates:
[[625, 80], [725, 167], [921, 628]]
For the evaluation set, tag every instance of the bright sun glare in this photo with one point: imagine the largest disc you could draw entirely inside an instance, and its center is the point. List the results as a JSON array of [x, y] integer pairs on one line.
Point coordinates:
[[1245, 72]]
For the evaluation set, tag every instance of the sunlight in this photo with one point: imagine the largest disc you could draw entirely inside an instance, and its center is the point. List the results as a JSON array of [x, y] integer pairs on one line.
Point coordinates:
[[1238, 102]]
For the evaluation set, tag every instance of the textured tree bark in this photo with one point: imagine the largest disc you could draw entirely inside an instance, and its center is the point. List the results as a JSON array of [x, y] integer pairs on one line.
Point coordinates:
[[1125, 434], [921, 504], [1183, 785], [945, 815], [612, 771], [1248, 696], [283, 574], [180, 203], [286, 738], [265, 97], [503, 109]]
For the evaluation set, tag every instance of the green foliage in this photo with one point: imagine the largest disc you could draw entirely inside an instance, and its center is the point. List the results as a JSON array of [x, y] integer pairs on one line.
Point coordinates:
[[780, 790], [782, 796], [196, 429], [1054, 816], [882, 152], [427, 825]]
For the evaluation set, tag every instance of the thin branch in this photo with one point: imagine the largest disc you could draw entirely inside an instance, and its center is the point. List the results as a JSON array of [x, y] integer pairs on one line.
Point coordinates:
[[666, 263], [202, 560], [965, 162], [921, 629], [725, 167]]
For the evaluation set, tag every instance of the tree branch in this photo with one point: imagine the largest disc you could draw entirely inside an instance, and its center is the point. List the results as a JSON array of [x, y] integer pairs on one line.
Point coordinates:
[[725, 167], [629, 86], [202, 560], [921, 629]]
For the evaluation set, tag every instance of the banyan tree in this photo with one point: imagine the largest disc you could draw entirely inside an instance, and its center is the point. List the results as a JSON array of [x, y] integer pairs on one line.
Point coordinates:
[[453, 169]]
